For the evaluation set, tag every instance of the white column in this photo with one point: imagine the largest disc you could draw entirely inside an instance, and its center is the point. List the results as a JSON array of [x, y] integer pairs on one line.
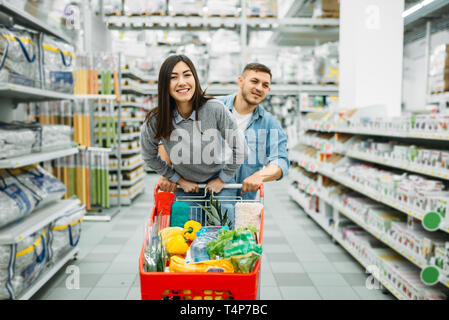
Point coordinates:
[[371, 53]]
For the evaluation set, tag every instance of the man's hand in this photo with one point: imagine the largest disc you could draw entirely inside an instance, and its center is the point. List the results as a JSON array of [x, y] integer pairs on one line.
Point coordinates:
[[216, 185], [166, 185], [188, 186], [252, 183]]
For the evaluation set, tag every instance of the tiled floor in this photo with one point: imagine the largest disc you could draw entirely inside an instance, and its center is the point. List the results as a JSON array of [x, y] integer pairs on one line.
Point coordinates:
[[299, 261]]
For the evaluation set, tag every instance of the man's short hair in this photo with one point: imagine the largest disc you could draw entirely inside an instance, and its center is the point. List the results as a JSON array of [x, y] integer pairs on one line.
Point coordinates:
[[257, 67]]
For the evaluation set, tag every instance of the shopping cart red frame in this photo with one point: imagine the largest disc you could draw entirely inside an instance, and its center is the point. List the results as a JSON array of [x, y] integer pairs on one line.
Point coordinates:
[[199, 286]]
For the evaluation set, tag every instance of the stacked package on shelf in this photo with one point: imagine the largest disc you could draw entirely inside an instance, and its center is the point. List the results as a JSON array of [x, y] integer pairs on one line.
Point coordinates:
[[439, 69], [222, 7], [329, 63], [199, 57], [271, 60], [24, 189], [112, 7], [185, 7], [50, 112], [64, 233], [224, 56], [326, 9], [20, 138], [299, 66], [20, 62], [263, 8], [142, 7], [58, 64], [21, 264]]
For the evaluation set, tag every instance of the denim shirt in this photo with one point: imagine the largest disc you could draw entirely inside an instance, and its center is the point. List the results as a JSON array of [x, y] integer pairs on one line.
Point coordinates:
[[267, 142]]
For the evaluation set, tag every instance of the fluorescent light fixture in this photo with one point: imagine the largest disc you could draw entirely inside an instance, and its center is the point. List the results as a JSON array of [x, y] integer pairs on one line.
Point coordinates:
[[415, 8]]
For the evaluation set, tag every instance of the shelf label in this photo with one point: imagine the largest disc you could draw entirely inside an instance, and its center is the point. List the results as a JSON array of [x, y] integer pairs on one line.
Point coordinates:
[[431, 221], [430, 275]]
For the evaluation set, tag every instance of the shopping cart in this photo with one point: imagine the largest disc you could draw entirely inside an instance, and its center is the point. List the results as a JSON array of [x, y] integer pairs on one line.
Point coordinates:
[[201, 286]]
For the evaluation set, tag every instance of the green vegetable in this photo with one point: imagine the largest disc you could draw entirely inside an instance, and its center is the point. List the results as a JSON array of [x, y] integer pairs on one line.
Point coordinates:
[[245, 263], [216, 249]]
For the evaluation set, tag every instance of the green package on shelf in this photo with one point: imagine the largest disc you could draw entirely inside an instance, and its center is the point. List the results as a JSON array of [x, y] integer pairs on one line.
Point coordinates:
[[180, 212]]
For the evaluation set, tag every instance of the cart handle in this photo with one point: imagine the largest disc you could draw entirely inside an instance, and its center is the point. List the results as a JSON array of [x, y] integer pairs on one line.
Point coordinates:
[[226, 186]]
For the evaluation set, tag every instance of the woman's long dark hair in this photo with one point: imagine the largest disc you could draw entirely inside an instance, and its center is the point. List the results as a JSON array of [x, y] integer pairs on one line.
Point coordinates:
[[166, 104]]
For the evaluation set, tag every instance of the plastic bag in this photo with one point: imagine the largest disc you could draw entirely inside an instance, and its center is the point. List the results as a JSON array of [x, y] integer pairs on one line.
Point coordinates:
[[19, 61], [65, 233], [198, 249], [21, 264], [58, 64], [245, 263]]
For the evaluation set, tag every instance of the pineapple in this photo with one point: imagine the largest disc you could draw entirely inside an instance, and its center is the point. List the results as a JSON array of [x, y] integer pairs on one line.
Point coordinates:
[[215, 216]]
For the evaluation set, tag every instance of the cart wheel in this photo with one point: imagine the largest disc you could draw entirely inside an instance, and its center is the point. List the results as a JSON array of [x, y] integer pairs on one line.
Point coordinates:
[[384, 290]]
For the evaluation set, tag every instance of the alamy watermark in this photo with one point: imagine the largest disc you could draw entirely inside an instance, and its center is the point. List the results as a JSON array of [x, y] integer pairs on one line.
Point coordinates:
[[209, 147], [72, 281]]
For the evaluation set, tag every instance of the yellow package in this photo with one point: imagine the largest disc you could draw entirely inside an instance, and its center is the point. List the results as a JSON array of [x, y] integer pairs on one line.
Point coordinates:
[[178, 264]]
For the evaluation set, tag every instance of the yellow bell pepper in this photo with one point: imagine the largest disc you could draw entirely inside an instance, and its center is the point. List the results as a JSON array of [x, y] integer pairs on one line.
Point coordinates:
[[177, 245], [190, 229], [167, 233]]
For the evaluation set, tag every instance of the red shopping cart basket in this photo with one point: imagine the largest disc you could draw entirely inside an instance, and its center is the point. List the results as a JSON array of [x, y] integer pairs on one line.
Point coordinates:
[[200, 286]]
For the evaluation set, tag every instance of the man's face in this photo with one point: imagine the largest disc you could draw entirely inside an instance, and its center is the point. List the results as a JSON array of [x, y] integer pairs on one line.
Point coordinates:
[[254, 86]]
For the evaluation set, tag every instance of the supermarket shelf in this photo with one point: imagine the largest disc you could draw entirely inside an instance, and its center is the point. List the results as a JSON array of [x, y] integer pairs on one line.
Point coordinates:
[[421, 11], [438, 173], [313, 110], [195, 22], [96, 96], [129, 167], [128, 183], [127, 198], [32, 158], [414, 212], [417, 135], [337, 238], [132, 90], [48, 273], [129, 136], [134, 105], [36, 221], [382, 237], [135, 74], [129, 151], [25, 19], [21, 93], [436, 98]]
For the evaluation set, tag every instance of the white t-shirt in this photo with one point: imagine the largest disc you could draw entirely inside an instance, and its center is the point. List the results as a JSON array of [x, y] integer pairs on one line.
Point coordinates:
[[242, 119]]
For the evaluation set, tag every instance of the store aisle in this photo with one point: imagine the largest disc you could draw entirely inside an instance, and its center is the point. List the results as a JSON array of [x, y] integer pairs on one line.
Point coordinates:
[[299, 260]]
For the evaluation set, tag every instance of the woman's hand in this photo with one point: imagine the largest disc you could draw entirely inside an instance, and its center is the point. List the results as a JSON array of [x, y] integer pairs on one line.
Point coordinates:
[[166, 185], [188, 186], [216, 185]]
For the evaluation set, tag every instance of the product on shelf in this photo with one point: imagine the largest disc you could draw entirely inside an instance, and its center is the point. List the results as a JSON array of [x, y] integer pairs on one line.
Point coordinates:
[[328, 54], [264, 8], [58, 64], [185, 7], [65, 234], [439, 69], [16, 142], [142, 7], [222, 7], [326, 9], [21, 264], [224, 56], [20, 63]]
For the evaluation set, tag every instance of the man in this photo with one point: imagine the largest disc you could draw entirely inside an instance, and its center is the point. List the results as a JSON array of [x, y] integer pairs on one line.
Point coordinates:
[[265, 137]]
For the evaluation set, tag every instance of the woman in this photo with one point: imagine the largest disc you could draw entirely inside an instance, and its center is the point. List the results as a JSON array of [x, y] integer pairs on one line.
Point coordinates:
[[185, 121]]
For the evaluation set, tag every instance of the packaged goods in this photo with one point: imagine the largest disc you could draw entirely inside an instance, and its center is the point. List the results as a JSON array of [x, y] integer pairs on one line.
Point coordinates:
[[19, 52], [439, 69], [264, 8], [326, 9], [15, 143], [178, 264], [58, 64], [221, 7], [247, 214], [140, 7], [65, 233], [21, 264], [16, 201], [238, 241], [185, 7], [180, 213], [198, 251]]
